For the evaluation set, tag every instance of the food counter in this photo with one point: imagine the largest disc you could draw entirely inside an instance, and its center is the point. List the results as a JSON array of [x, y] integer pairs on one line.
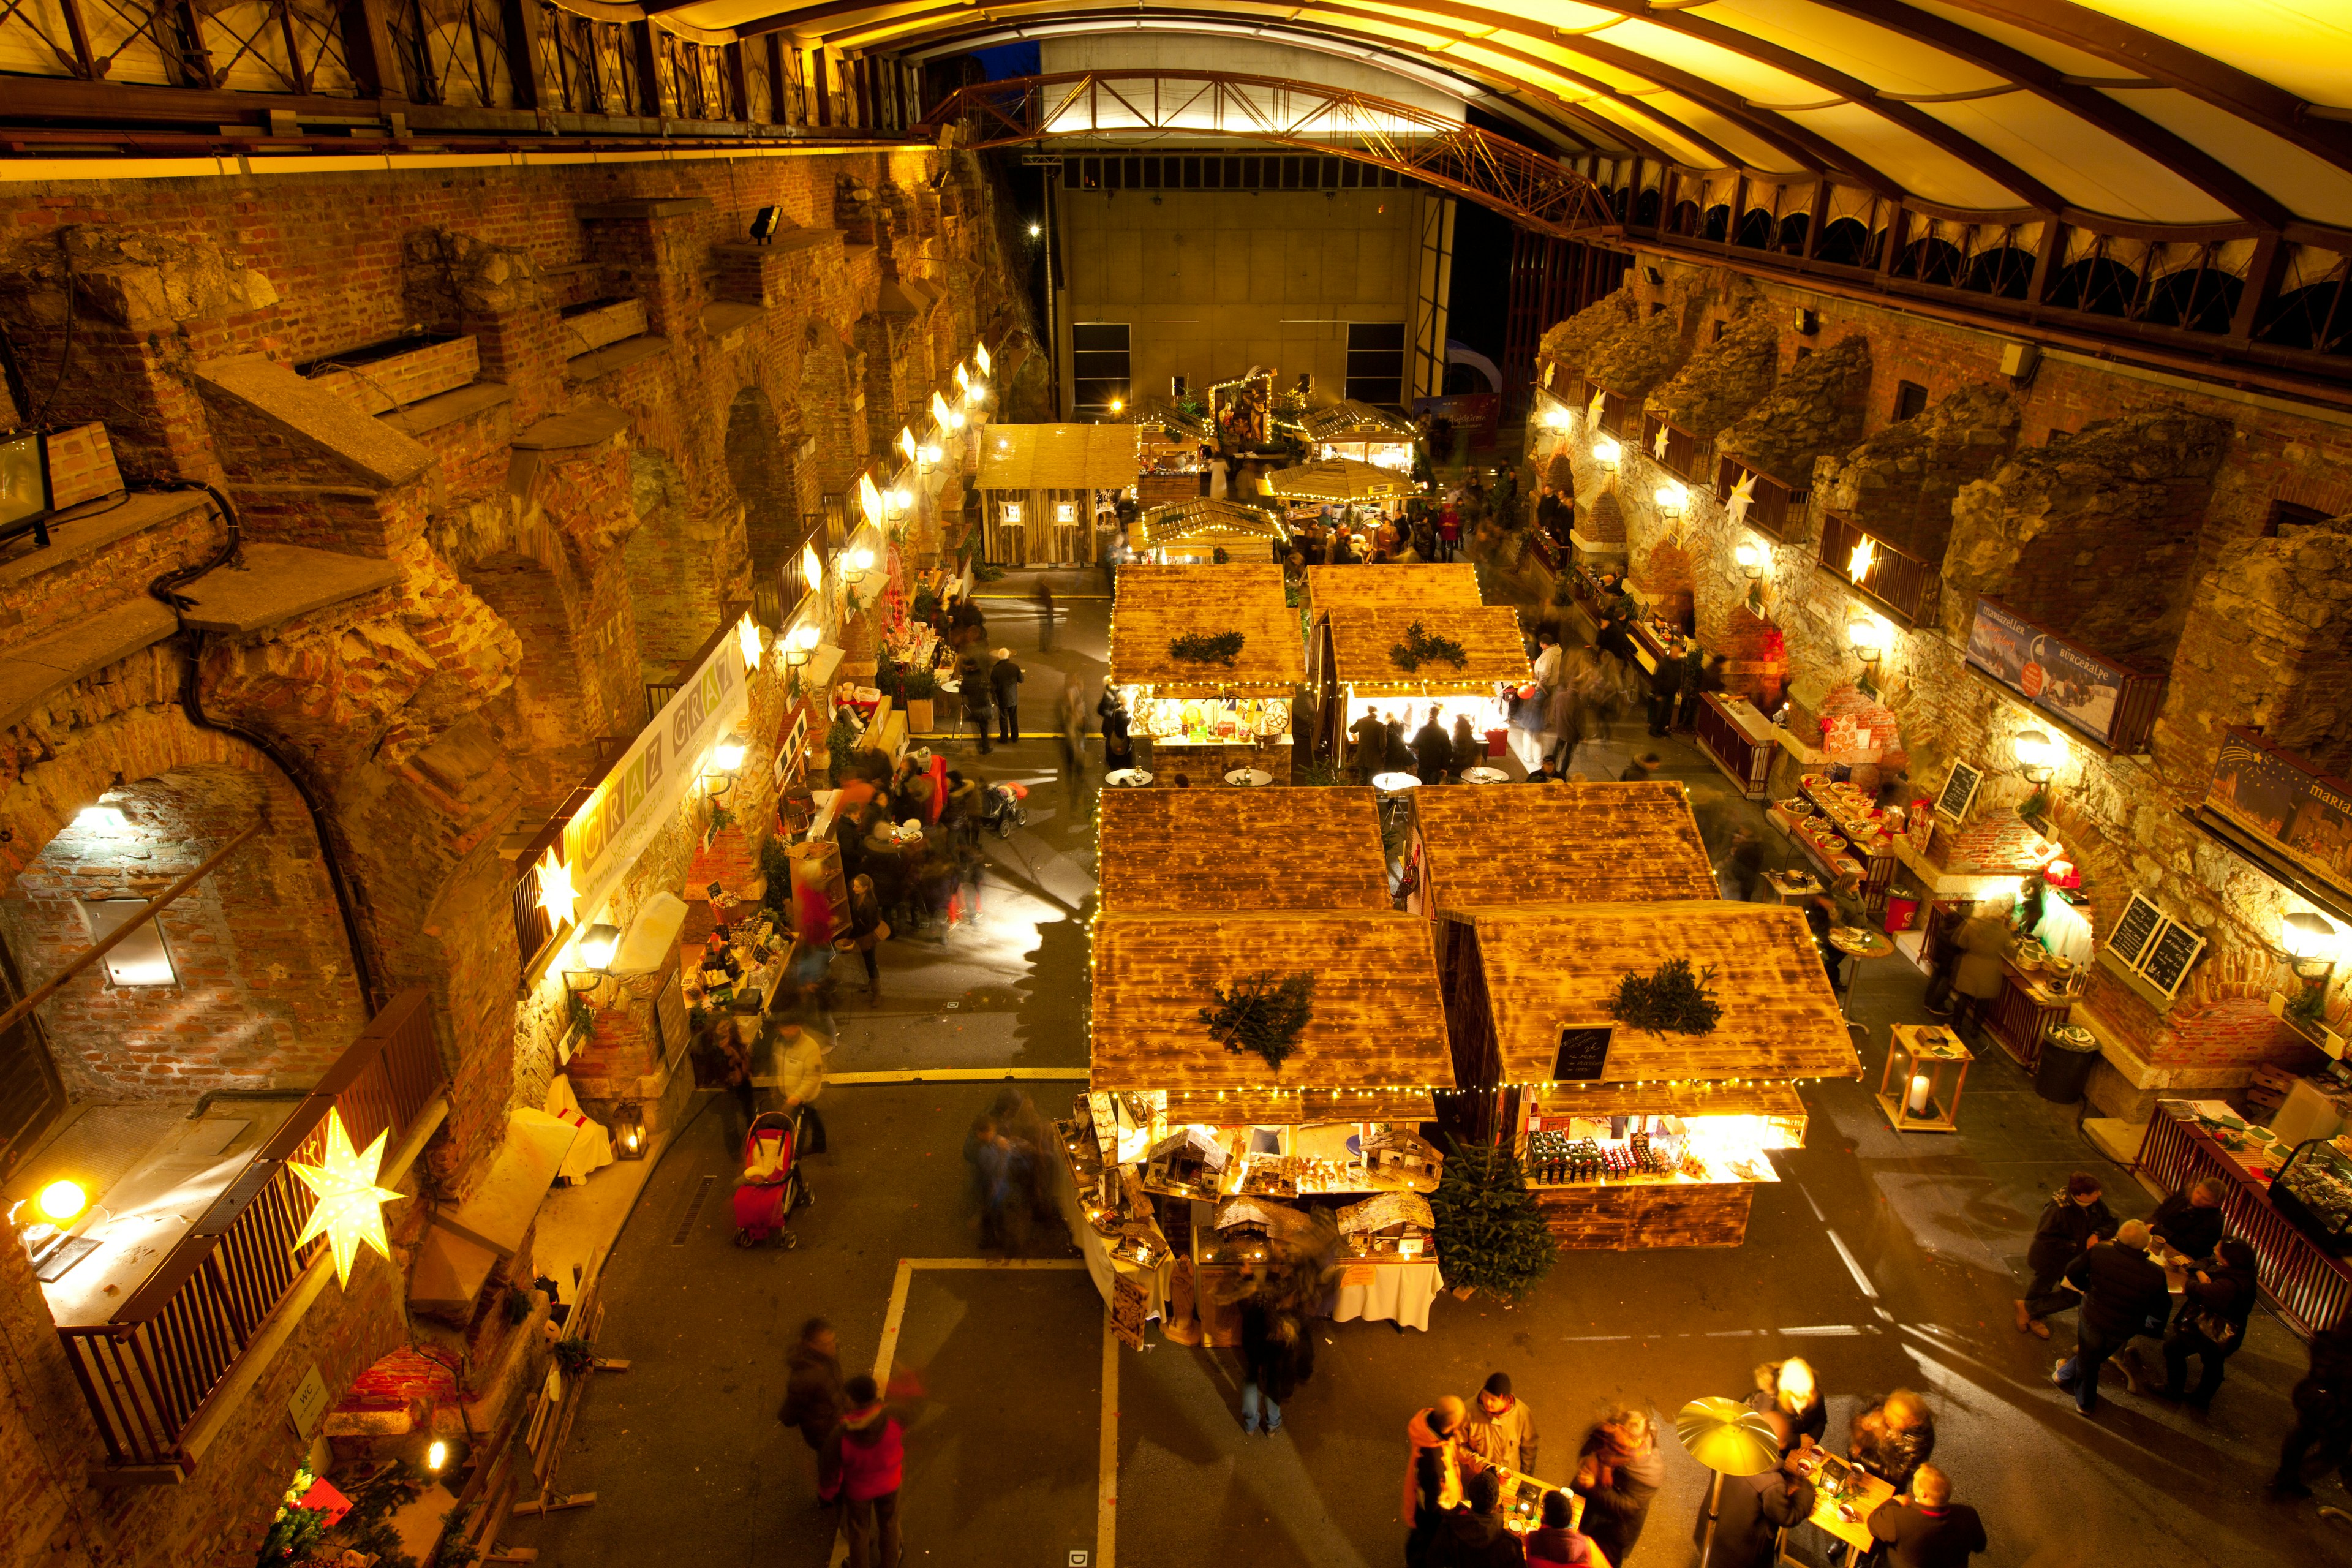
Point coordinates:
[[1740, 741], [1653, 1166], [1834, 827], [2188, 1138], [1194, 707]]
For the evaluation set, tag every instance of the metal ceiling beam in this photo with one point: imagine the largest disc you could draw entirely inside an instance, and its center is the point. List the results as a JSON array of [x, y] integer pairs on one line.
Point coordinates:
[[1527, 187]]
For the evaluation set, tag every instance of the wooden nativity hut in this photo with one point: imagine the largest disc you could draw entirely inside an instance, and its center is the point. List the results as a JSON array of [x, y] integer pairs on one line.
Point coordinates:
[[1555, 844], [1041, 486], [1197, 710], [1635, 1134]]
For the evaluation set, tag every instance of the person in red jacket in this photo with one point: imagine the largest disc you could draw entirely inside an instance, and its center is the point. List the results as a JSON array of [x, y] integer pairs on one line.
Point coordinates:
[[859, 1468]]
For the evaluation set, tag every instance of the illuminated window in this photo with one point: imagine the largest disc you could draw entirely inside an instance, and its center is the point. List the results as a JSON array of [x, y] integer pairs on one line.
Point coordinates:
[[1013, 512], [1064, 511], [140, 959]]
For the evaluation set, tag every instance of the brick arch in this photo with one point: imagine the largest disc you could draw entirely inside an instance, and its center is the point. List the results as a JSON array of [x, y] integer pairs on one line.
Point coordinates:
[[543, 714], [663, 577], [764, 469], [827, 385]]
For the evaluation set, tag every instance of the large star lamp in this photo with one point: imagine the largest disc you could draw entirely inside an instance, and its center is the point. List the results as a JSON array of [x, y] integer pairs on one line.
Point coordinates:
[[350, 1206]]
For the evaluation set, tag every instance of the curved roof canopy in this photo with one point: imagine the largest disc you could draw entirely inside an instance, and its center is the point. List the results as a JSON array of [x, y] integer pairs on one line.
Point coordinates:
[[2141, 111]]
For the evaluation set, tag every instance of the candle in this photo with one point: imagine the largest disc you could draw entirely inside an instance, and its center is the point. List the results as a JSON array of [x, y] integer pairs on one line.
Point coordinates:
[[1918, 1094]]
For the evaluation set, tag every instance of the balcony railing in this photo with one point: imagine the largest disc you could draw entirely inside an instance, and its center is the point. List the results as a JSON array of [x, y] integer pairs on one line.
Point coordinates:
[[1687, 457], [148, 1372], [1773, 507], [1905, 586]]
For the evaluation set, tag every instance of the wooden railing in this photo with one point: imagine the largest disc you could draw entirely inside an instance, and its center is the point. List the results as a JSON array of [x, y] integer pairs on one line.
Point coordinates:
[[2311, 1290], [1773, 507], [1687, 457], [1908, 587], [148, 1372]]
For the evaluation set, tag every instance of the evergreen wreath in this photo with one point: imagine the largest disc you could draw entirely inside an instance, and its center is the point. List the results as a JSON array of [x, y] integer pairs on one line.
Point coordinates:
[[1489, 1231], [1670, 1000], [1259, 1015], [1206, 647], [1421, 647]]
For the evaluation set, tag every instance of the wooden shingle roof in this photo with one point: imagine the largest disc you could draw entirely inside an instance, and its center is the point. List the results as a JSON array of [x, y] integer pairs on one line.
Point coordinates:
[[1355, 420], [1553, 967], [1377, 1020], [1362, 637], [1166, 602], [1204, 522], [1423, 587], [1233, 1107], [1565, 843], [1142, 584], [1210, 851], [1057, 457]]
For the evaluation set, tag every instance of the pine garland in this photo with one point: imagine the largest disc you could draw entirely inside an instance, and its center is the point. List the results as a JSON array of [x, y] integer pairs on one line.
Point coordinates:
[[1258, 1015], [1424, 646], [1204, 648], [1672, 999], [1489, 1231]]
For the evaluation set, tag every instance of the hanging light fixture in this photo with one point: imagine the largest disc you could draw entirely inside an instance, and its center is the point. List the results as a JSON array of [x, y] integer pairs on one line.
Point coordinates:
[[2311, 942], [2036, 753]]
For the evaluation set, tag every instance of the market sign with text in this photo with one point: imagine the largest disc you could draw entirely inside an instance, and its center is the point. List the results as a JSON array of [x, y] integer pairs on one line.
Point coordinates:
[[2110, 703], [641, 792], [2290, 808]]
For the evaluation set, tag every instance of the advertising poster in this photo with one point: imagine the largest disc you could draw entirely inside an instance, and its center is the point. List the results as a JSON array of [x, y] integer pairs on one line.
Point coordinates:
[[2047, 671], [2303, 814]]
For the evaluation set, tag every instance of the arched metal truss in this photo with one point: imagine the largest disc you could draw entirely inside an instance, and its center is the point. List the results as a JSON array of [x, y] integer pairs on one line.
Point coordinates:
[[1525, 186]]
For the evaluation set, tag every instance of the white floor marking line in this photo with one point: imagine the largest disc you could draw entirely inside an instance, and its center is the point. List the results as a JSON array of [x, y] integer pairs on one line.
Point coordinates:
[[1106, 1462], [1862, 1280]]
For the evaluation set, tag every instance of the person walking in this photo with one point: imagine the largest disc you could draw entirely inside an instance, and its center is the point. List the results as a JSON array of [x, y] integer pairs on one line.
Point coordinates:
[[979, 699], [2075, 1217], [2123, 1293], [1746, 864], [1277, 1355], [1475, 1535], [2322, 1398], [2211, 1323], [1044, 616], [1004, 684], [1432, 1476], [1927, 1529], [862, 1465], [814, 1395], [1449, 530], [1621, 1471], [1501, 1429], [1751, 1511], [1433, 751], [1557, 1543], [800, 1078], [867, 931]]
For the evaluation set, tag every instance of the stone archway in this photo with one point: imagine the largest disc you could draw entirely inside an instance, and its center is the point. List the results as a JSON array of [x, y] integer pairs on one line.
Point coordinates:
[[662, 573], [827, 418], [543, 719], [767, 480]]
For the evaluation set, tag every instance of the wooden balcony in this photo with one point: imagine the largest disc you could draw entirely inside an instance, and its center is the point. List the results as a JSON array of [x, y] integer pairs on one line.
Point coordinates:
[[1687, 457], [1907, 588], [150, 1371], [1775, 508]]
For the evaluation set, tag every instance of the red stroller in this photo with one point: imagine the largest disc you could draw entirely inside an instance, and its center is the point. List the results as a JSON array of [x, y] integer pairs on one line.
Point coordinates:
[[771, 1187]]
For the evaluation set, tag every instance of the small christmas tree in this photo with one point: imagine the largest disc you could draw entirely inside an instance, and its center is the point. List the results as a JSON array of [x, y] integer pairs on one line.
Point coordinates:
[[1488, 1232]]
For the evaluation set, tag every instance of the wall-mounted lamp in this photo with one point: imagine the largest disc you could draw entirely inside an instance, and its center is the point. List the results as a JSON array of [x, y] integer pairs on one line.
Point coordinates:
[[901, 499], [728, 755], [930, 454], [593, 949], [2036, 753], [1608, 454], [61, 1203], [800, 645], [1750, 556], [856, 564], [2311, 942], [1119, 405], [1557, 419], [948, 419], [1861, 630], [1672, 499]]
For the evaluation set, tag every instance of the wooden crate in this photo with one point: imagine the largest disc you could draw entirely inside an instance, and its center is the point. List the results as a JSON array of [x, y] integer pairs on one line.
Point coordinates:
[[1628, 1218]]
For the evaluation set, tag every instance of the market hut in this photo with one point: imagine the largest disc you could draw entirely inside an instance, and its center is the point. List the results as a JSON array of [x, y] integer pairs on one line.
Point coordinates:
[[1406, 659], [1198, 530], [1634, 1134], [1360, 431], [1556, 844], [1363, 1063], [1424, 585], [1342, 479], [1206, 658], [1206, 851], [1041, 486]]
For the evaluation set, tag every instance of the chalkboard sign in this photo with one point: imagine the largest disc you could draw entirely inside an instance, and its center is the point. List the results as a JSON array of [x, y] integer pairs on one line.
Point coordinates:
[[2135, 931], [1583, 1056], [1960, 793], [2167, 961]]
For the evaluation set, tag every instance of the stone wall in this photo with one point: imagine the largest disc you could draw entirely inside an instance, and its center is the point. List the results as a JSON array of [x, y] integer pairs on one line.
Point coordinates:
[[1815, 409], [1901, 481]]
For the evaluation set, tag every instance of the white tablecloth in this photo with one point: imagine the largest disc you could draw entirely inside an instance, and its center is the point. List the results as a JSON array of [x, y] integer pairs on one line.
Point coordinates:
[[1153, 1277], [1395, 1293]]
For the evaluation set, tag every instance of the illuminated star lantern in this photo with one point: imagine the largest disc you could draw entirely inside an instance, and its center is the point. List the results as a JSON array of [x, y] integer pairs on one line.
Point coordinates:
[[1658, 446], [1742, 494], [1592, 411], [350, 1206], [907, 442], [555, 891], [962, 379], [1866, 555], [979, 358], [747, 633], [811, 568], [870, 498]]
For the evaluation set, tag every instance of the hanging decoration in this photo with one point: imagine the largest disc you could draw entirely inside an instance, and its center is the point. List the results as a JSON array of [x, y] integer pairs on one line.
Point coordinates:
[[1743, 495], [1592, 411], [556, 894], [1262, 1016], [350, 1206], [1421, 647], [1206, 647], [1864, 557], [1658, 443]]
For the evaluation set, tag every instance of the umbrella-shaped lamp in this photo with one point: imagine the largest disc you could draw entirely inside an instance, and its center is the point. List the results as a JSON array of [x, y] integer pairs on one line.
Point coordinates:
[[1729, 1439]]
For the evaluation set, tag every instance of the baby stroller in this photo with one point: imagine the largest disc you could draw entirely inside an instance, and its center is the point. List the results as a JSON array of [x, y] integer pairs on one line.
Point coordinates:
[[772, 1187], [1002, 807]]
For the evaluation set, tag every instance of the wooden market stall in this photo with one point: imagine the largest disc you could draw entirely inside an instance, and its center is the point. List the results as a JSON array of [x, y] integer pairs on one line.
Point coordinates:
[[1041, 485], [1555, 844], [1368, 661], [1428, 585], [1196, 531], [1342, 479], [1631, 1138], [1206, 716], [1359, 430], [1234, 1161], [1206, 851]]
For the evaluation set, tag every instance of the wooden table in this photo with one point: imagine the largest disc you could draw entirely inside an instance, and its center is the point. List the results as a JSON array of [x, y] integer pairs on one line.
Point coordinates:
[[1786, 885], [1737, 740], [1855, 1532], [1858, 943]]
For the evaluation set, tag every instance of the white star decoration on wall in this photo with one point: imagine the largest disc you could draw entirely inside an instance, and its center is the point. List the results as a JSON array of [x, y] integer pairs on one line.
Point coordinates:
[[1743, 495], [556, 895], [350, 1206]]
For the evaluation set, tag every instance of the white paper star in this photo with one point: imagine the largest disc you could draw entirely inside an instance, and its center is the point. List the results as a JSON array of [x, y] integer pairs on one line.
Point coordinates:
[[1658, 446], [1592, 413], [350, 1206], [556, 894], [1742, 494]]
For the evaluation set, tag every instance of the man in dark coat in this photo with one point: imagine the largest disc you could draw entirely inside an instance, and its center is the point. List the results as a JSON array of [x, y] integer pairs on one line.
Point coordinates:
[[979, 698], [2189, 1223], [2075, 1217], [2214, 1308], [1277, 1355], [1927, 1529], [1433, 751], [1474, 1535], [2323, 1411], [1367, 745], [2123, 1292], [1004, 684], [1621, 1472], [812, 1389], [1754, 1510]]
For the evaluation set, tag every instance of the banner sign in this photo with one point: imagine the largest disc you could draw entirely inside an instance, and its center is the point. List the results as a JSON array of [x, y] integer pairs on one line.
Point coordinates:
[[604, 838], [2285, 805], [1480, 413], [2053, 674]]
